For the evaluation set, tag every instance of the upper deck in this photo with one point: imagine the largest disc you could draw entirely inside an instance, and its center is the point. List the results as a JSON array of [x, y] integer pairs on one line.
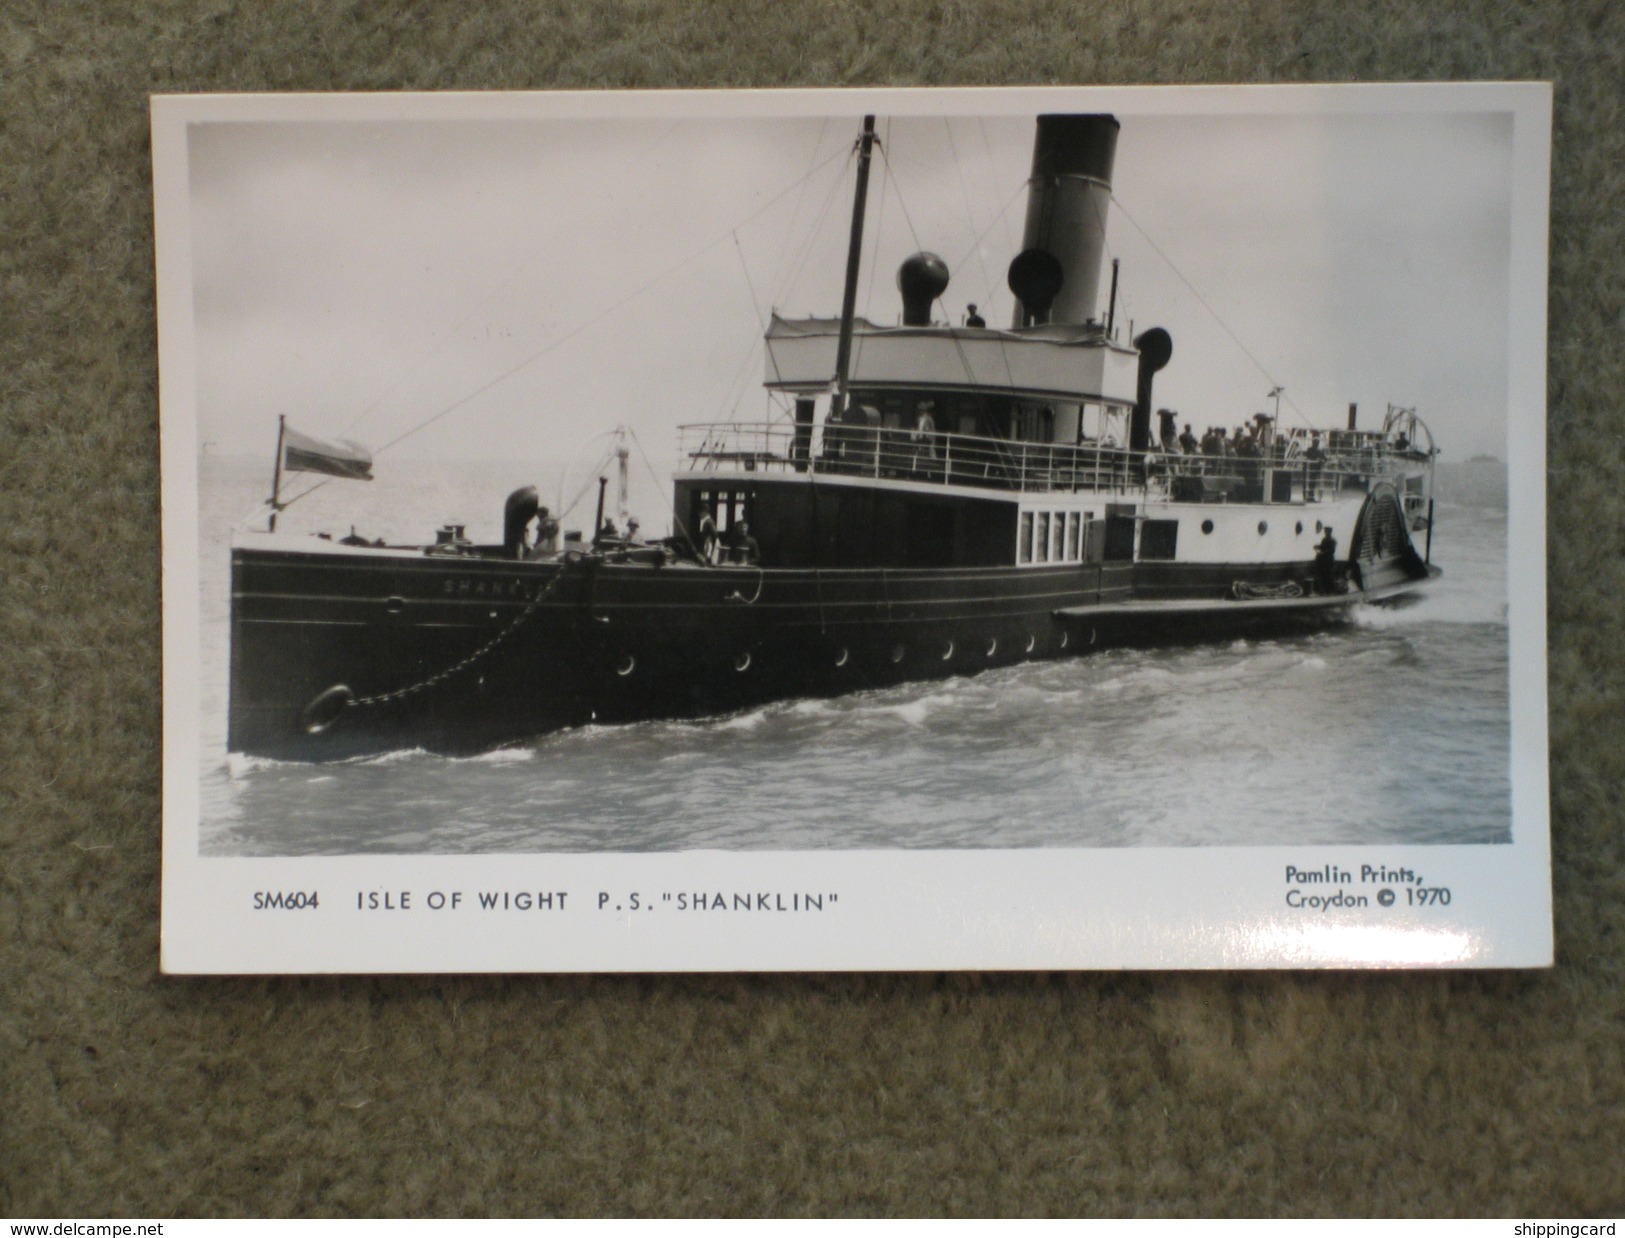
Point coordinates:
[[1055, 361], [1285, 470]]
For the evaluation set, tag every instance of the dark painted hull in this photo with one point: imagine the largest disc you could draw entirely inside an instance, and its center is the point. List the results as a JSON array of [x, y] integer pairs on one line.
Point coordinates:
[[465, 654]]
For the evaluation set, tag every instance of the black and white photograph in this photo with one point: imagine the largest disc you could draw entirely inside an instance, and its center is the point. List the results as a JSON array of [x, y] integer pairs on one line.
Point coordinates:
[[1045, 527]]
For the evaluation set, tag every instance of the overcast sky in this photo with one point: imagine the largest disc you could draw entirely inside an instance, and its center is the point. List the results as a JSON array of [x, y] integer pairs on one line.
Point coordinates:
[[363, 276]]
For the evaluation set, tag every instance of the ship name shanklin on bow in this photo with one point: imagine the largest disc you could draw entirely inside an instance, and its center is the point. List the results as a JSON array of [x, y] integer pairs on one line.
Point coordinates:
[[943, 499]]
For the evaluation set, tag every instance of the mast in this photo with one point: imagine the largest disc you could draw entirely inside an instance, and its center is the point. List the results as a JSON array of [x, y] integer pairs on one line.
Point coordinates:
[[622, 453], [854, 250], [276, 475]]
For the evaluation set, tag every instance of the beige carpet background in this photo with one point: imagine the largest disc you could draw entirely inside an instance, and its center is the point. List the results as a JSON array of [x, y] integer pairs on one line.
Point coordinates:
[[125, 1093]]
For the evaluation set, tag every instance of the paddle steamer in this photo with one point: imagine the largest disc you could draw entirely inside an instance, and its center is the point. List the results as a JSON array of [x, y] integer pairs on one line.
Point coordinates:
[[946, 498]]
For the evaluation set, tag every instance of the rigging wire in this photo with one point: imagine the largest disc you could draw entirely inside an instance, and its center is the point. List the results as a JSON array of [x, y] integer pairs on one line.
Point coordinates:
[[964, 198], [591, 322], [901, 204], [583, 327], [592, 476], [793, 231], [740, 381], [1010, 240], [811, 238], [744, 266], [660, 486], [480, 306], [1262, 369], [874, 253]]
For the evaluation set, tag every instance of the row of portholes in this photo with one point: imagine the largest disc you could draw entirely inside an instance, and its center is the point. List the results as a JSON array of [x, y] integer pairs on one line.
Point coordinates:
[[899, 652], [1263, 527], [742, 661]]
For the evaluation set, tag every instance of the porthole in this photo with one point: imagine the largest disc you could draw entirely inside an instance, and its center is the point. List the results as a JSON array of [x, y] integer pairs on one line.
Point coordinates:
[[1207, 526], [624, 667], [897, 652], [841, 656], [1066, 639], [742, 662], [1032, 643], [394, 605], [1263, 527], [1300, 528], [947, 651], [1317, 526], [992, 645]]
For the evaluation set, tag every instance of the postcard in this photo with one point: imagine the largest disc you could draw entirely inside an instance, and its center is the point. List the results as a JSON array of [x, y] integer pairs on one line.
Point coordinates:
[[866, 529]]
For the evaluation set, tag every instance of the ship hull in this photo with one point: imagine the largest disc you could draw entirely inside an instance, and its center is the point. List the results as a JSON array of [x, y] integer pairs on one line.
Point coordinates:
[[346, 653]]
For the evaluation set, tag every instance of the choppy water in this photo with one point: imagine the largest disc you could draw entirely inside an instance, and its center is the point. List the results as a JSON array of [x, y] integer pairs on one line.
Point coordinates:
[[1393, 729]]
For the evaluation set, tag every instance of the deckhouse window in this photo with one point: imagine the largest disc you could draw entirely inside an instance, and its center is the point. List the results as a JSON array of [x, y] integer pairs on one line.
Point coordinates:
[[1052, 537], [725, 507], [1159, 539]]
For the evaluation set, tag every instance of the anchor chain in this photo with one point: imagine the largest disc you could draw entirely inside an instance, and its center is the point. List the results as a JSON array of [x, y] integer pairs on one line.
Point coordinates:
[[344, 699], [458, 668]]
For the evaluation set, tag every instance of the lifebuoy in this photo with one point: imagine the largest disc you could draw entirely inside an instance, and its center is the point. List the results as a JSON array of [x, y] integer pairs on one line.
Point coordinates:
[[326, 708]]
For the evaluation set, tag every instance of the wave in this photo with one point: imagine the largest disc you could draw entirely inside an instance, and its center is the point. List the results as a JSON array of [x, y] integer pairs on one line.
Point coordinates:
[[1462, 606], [241, 765], [741, 722], [499, 756], [912, 712]]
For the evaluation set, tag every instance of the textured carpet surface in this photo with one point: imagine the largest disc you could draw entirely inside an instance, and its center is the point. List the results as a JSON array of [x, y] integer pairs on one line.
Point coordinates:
[[125, 1093]]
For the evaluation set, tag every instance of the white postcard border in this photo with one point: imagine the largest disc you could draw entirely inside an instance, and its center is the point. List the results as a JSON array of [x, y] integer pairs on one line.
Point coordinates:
[[1120, 908]]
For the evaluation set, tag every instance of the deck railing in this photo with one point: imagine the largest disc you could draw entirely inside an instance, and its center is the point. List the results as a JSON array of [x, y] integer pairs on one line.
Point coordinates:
[[1282, 473]]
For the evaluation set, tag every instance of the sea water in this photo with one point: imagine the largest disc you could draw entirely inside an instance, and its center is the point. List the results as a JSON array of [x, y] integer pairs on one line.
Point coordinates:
[[1390, 729]]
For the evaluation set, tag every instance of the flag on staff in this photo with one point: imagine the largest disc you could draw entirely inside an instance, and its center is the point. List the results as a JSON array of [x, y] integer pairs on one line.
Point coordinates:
[[340, 458]]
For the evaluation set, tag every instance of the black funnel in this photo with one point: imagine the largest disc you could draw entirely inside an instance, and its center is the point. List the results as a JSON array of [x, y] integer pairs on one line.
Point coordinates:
[[1067, 197]]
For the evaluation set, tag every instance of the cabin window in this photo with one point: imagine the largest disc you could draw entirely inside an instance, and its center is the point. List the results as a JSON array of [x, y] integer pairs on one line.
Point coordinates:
[[1158, 539], [725, 507], [1119, 547], [1053, 537]]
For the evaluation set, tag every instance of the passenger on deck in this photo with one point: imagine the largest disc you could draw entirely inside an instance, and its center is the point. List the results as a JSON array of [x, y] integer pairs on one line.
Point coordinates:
[[1252, 469], [1316, 456], [865, 449], [923, 437], [742, 547], [547, 533], [1326, 563], [1167, 424], [972, 318], [706, 539], [1188, 443]]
